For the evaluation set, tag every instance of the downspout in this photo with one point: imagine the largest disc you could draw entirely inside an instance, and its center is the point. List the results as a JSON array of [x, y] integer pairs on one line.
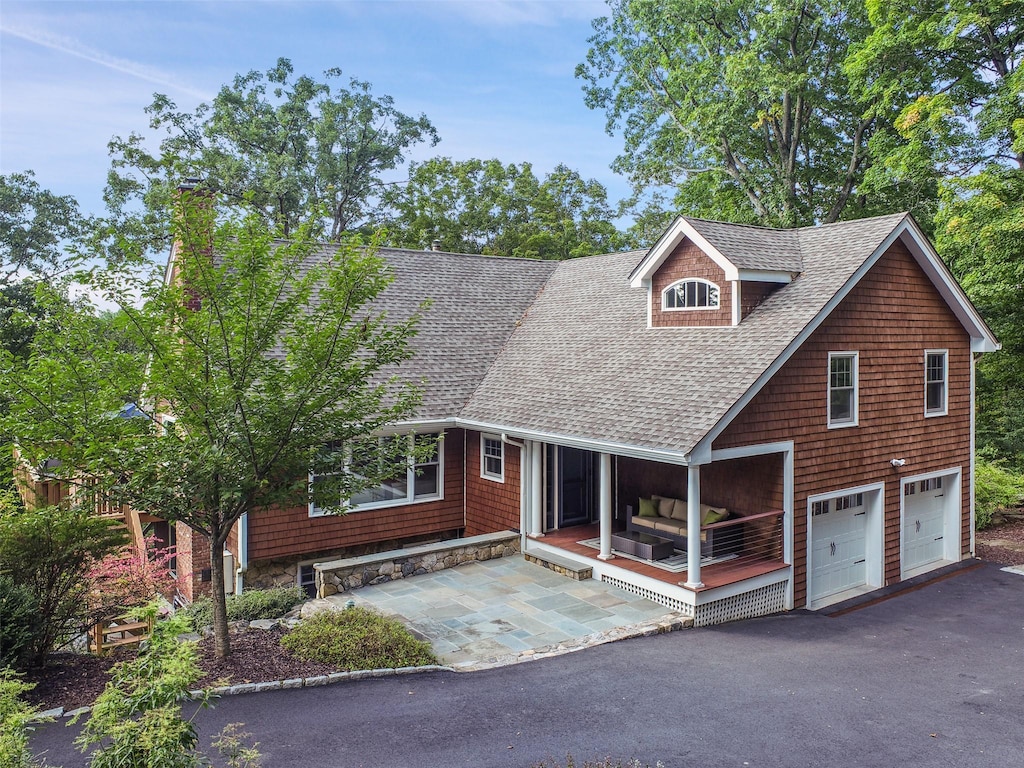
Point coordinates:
[[973, 465], [243, 552], [523, 523]]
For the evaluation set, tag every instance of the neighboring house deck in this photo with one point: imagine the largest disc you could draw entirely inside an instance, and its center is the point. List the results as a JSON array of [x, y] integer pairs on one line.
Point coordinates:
[[803, 398]]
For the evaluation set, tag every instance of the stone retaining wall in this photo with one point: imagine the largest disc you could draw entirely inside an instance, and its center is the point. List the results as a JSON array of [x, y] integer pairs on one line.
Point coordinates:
[[354, 572]]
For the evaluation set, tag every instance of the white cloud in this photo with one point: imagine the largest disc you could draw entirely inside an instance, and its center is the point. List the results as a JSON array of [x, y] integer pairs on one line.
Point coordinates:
[[72, 47]]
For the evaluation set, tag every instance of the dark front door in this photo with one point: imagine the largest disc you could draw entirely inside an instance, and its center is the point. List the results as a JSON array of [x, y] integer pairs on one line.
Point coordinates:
[[577, 487]]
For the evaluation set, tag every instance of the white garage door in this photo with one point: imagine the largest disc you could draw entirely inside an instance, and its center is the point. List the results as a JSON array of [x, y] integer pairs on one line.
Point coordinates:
[[924, 522], [838, 545]]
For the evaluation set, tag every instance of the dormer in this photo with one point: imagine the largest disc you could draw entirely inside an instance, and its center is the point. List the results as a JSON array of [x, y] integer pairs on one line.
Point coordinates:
[[708, 274]]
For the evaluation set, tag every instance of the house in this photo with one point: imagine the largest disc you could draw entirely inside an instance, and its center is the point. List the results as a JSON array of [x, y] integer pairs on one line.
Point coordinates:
[[802, 398]]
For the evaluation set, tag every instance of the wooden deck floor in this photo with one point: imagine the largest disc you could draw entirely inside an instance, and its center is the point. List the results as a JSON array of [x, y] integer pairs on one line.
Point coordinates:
[[717, 575]]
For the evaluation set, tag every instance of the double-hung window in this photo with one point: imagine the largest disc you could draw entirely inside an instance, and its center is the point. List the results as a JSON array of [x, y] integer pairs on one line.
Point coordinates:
[[410, 465], [936, 373], [842, 389], [492, 458]]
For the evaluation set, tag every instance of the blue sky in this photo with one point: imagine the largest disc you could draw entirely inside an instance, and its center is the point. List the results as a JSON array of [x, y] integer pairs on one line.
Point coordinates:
[[494, 76]]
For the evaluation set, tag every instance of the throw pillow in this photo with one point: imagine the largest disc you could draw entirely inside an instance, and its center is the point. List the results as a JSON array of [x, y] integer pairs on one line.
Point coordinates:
[[709, 514], [679, 510], [647, 508], [664, 505]]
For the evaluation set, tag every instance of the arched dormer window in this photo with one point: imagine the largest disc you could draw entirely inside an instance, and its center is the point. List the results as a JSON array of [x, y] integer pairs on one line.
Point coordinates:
[[691, 293]]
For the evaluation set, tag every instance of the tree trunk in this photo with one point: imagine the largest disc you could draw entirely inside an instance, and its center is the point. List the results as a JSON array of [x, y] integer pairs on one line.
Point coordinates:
[[221, 643]]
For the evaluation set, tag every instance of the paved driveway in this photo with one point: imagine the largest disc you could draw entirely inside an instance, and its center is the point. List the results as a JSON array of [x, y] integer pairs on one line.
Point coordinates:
[[929, 678]]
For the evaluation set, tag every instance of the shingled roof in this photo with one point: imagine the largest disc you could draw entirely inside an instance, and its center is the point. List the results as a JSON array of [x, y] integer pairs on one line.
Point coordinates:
[[563, 349], [585, 365], [475, 304]]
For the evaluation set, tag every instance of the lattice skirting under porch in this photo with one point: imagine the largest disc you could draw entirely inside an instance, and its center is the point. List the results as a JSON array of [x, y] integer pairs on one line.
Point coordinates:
[[762, 601]]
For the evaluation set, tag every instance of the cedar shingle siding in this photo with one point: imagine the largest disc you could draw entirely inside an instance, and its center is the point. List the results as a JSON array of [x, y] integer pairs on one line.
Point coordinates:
[[279, 533], [690, 261], [890, 318], [491, 506]]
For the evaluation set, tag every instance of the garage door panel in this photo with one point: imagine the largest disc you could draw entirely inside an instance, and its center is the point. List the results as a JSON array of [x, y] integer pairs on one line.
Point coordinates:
[[839, 546], [924, 522]]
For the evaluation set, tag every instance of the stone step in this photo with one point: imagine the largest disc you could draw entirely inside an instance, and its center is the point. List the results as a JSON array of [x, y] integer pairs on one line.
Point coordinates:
[[561, 565]]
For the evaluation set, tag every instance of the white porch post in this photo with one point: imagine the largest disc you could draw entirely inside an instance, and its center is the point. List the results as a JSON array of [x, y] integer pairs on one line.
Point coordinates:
[[693, 527], [536, 489], [605, 506]]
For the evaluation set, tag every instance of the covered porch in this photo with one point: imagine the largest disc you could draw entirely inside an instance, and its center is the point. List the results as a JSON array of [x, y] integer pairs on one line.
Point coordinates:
[[595, 508]]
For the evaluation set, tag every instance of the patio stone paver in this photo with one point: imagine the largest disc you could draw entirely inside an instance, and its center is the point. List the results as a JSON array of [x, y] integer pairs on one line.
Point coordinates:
[[503, 610]]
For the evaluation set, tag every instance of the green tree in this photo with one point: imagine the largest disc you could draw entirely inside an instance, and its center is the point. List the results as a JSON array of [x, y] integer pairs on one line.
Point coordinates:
[[263, 352], [743, 107], [486, 206], [950, 74], [35, 227], [283, 146]]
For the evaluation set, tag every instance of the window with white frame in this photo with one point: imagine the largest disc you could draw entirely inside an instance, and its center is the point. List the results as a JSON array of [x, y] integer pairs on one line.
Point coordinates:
[[691, 293], [935, 390], [842, 389], [412, 465], [492, 458]]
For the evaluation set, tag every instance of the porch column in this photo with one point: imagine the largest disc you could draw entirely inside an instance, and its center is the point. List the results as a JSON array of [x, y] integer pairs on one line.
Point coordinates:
[[693, 527], [605, 506], [536, 489]]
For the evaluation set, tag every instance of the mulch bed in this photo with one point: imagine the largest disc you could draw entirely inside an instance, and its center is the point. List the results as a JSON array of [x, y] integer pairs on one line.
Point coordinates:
[[73, 680], [1002, 543]]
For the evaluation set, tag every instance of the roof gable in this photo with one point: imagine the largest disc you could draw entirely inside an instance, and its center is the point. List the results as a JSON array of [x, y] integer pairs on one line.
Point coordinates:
[[742, 251]]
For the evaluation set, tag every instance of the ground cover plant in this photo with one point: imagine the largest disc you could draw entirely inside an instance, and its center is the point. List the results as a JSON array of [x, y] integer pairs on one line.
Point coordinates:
[[248, 606], [357, 638]]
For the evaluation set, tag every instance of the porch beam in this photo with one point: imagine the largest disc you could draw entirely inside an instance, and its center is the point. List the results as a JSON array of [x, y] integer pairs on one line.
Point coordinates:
[[605, 506], [693, 527]]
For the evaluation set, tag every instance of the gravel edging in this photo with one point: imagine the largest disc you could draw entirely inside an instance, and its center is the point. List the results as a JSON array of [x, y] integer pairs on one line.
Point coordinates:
[[272, 685]]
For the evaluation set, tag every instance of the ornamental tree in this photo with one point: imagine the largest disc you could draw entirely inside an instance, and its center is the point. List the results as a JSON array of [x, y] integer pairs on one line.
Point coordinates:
[[256, 355]]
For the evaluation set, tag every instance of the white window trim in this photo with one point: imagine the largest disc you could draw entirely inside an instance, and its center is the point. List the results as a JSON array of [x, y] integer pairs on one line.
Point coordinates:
[[497, 478], [410, 497], [945, 383], [855, 416], [715, 306]]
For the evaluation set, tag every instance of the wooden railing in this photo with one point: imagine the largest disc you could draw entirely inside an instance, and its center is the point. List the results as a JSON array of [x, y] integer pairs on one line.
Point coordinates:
[[114, 633]]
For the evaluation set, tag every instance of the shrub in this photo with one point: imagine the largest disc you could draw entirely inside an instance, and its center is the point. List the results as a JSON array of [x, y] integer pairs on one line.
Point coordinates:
[[357, 639], [18, 621], [137, 719], [249, 606], [995, 488], [15, 717], [128, 579], [50, 550]]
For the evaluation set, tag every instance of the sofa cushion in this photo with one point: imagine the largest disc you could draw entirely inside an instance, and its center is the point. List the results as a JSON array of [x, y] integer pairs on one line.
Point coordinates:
[[648, 508], [679, 510], [665, 505], [671, 526]]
